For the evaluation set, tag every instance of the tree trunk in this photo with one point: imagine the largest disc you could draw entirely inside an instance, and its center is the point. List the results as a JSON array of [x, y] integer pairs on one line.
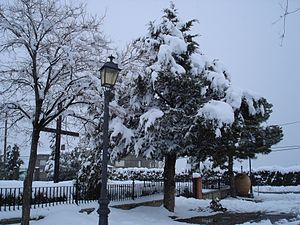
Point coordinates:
[[231, 176], [169, 182], [27, 185]]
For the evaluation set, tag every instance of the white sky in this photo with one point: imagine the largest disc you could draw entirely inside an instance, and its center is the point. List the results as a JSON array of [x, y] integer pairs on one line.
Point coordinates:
[[242, 35]]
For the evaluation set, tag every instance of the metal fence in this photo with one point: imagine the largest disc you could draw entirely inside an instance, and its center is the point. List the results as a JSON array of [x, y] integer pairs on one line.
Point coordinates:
[[11, 198], [137, 189], [214, 183], [184, 188]]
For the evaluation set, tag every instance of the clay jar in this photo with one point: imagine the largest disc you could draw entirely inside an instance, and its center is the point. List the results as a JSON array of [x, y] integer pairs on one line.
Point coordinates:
[[242, 184]]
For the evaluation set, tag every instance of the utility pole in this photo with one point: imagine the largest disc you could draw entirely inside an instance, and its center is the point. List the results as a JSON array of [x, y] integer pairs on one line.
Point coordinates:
[[5, 140], [251, 180]]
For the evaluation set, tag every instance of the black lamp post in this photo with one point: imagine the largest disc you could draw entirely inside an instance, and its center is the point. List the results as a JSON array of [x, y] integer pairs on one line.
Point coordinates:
[[109, 74]]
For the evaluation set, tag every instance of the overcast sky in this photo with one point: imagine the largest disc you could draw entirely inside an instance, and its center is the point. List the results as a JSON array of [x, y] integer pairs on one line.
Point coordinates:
[[242, 35]]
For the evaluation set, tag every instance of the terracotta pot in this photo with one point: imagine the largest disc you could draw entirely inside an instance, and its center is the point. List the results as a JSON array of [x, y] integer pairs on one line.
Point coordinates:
[[242, 184]]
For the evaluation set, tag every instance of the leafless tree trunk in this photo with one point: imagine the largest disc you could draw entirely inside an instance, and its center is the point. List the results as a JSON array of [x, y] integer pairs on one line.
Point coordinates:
[[231, 175], [27, 185]]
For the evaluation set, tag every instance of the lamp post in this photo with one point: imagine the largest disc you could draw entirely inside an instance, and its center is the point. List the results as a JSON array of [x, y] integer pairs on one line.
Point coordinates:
[[109, 74]]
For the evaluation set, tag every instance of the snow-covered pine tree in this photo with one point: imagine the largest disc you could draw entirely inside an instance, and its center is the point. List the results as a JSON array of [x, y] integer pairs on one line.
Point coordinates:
[[89, 174], [247, 136], [178, 91], [13, 163], [164, 96], [69, 164]]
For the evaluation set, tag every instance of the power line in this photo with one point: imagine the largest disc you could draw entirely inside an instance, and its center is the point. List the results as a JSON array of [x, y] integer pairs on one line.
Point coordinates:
[[287, 146], [285, 149], [289, 123]]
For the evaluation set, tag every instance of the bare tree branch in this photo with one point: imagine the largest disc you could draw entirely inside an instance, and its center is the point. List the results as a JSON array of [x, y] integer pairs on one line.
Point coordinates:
[[285, 6]]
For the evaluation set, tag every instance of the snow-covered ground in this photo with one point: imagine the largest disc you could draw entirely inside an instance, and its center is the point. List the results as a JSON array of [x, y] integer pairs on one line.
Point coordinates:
[[185, 208], [19, 184], [277, 189]]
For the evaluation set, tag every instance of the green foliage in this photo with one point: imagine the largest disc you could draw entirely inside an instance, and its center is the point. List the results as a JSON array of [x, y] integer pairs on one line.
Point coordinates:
[[276, 178], [2, 172], [13, 163], [143, 174], [246, 138], [69, 165], [178, 96], [89, 174]]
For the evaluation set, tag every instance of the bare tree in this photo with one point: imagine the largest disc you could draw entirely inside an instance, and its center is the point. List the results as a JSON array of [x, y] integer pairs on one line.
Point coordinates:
[[49, 50], [286, 11]]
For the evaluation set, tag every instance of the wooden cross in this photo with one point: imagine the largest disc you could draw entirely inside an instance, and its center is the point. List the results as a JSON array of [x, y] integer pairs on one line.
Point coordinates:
[[58, 132]]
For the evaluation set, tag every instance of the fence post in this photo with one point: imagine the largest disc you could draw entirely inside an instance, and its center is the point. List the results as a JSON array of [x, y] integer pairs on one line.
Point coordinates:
[[133, 189], [197, 186]]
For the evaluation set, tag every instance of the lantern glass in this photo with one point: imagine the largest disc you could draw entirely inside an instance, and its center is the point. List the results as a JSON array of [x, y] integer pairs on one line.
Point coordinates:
[[109, 77], [109, 73]]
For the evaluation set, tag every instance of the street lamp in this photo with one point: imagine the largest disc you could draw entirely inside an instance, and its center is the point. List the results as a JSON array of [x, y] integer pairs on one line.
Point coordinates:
[[109, 74]]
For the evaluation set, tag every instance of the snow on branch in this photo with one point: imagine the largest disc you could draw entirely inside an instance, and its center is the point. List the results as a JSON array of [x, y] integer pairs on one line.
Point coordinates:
[[149, 118], [118, 128], [219, 113], [198, 62], [218, 76], [235, 97]]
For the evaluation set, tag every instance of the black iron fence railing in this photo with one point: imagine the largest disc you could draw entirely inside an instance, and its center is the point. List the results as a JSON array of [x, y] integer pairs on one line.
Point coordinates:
[[11, 198], [214, 183], [184, 188]]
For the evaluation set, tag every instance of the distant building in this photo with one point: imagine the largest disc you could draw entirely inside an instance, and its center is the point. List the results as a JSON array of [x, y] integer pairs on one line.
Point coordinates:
[[126, 162], [39, 172], [133, 161]]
